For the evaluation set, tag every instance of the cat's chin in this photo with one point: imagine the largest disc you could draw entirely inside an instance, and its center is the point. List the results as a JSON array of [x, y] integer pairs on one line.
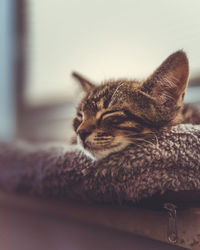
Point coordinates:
[[97, 154]]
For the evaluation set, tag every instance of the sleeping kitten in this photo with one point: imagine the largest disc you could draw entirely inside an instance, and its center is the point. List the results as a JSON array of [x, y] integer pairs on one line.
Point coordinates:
[[118, 113]]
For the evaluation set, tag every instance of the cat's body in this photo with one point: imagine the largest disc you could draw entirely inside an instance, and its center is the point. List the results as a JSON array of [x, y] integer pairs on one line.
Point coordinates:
[[118, 113]]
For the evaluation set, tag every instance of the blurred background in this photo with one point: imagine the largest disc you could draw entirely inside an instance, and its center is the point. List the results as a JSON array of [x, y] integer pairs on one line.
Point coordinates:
[[42, 42]]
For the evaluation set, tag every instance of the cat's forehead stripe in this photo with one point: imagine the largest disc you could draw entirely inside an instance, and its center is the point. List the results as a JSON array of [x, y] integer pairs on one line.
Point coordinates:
[[100, 104], [99, 98]]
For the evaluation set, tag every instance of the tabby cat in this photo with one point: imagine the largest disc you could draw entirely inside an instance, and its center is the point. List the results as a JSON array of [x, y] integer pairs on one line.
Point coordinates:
[[118, 113]]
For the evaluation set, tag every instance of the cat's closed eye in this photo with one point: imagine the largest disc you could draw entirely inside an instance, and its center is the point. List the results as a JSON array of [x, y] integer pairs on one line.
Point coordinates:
[[112, 116], [113, 119]]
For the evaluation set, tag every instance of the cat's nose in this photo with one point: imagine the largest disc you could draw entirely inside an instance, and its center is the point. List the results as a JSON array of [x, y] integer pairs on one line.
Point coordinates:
[[83, 133]]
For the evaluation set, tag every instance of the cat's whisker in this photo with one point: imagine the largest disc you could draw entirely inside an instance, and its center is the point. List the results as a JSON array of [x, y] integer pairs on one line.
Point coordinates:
[[102, 143], [142, 139], [102, 139], [137, 144], [155, 137], [149, 142]]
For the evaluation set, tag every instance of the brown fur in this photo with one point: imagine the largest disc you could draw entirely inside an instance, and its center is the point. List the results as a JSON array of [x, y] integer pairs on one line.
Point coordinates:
[[118, 113]]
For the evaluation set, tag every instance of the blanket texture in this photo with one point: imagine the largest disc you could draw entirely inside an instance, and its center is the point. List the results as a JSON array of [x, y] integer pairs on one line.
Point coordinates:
[[137, 172]]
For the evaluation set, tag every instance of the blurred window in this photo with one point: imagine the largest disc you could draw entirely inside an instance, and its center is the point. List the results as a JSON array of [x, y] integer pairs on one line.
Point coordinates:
[[104, 39], [7, 70]]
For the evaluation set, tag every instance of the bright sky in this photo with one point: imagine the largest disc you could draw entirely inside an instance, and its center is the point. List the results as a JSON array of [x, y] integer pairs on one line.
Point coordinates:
[[105, 39]]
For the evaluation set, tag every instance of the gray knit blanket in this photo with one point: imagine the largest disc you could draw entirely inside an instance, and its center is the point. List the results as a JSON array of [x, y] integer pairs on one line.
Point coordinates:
[[64, 172]]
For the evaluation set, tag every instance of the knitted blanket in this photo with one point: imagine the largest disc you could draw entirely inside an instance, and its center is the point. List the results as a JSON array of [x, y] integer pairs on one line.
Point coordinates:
[[137, 172]]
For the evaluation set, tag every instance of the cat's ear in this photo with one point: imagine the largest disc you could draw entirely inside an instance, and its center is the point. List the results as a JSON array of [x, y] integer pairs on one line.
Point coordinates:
[[85, 84], [167, 84]]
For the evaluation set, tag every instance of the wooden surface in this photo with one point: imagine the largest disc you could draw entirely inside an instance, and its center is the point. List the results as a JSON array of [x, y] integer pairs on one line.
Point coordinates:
[[140, 222]]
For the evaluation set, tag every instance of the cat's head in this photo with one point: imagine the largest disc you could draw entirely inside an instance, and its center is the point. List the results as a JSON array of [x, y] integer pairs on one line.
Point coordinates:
[[118, 113]]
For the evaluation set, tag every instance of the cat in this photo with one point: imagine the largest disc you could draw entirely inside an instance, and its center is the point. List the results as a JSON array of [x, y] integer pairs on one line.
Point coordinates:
[[118, 113]]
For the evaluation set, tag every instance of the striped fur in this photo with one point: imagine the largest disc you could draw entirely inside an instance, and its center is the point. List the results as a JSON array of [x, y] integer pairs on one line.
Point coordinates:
[[118, 113]]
